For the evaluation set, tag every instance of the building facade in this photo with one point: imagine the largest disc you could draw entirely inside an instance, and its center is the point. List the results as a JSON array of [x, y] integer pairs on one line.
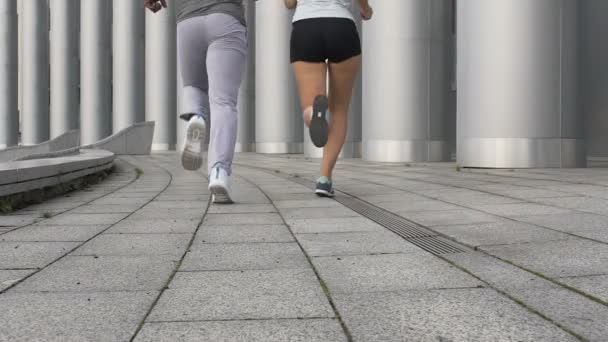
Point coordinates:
[[497, 84]]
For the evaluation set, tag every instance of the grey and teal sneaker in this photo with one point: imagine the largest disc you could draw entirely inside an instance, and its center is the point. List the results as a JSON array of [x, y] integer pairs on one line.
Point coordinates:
[[324, 187], [319, 129]]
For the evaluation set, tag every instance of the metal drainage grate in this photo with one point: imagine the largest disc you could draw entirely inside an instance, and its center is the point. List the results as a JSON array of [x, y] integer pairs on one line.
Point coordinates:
[[410, 231], [403, 228]]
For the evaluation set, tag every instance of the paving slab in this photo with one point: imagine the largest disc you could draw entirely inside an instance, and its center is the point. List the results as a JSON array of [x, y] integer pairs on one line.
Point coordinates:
[[575, 222], [310, 203], [243, 234], [478, 199], [182, 198], [231, 296], [248, 219], [106, 208], [155, 213], [244, 256], [594, 285], [359, 243], [101, 274], [334, 225], [450, 217], [521, 209], [109, 316], [154, 226], [113, 200], [10, 277], [555, 259], [304, 213], [528, 193], [293, 330], [584, 317], [497, 233], [21, 255], [156, 204], [426, 205], [390, 272], [18, 220], [242, 209], [171, 245], [293, 196], [53, 233], [443, 315], [583, 203], [368, 189], [577, 313], [83, 219]]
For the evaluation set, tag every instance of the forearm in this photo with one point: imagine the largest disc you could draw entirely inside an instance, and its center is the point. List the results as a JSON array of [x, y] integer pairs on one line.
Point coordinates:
[[291, 4], [363, 3]]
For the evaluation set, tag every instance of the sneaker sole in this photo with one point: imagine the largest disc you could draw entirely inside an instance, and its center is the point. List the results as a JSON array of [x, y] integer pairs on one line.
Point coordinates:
[[220, 195], [319, 129], [323, 193], [192, 160]]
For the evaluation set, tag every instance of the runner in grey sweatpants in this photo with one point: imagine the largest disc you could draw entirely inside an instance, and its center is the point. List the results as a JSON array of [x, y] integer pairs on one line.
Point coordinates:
[[211, 53], [212, 45]]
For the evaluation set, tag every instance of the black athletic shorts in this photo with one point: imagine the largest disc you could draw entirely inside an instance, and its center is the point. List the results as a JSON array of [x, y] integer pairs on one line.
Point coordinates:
[[318, 39]]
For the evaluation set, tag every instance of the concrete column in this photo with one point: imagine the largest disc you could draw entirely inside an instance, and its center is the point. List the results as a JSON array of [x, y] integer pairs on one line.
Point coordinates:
[[161, 76], [518, 102], [65, 17], [128, 63], [95, 82], [278, 119], [402, 93], [35, 115], [441, 69], [9, 113], [245, 141], [595, 63]]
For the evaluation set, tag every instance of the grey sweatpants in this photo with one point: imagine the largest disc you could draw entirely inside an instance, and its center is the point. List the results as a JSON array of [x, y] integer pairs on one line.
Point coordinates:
[[211, 53]]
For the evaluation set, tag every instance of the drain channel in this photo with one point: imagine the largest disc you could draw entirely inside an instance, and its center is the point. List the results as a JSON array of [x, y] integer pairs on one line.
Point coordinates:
[[410, 231]]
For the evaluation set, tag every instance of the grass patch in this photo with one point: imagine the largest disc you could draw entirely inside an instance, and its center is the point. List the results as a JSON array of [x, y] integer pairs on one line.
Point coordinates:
[[138, 172]]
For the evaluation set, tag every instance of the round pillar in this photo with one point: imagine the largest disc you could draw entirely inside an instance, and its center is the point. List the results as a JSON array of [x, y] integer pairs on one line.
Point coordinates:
[[65, 17], [161, 76], [129, 63], [278, 119], [402, 94], [518, 102], [9, 112], [95, 82], [35, 67]]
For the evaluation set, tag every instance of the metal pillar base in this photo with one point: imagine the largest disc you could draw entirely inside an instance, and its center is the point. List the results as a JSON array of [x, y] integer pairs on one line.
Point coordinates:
[[163, 147], [400, 151], [244, 147], [350, 149], [279, 148], [521, 153]]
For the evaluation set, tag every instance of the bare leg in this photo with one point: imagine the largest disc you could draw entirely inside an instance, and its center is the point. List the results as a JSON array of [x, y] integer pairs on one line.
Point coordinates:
[[311, 78], [342, 77]]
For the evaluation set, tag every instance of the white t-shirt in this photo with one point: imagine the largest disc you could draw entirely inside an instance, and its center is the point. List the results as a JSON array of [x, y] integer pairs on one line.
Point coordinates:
[[308, 9]]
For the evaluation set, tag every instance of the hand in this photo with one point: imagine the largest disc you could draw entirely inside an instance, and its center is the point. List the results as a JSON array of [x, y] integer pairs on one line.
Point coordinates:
[[154, 5], [367, 12]]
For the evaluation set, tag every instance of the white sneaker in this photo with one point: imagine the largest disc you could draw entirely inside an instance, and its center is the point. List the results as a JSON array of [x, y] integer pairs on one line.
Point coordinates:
[[219, 185], [196, 134]]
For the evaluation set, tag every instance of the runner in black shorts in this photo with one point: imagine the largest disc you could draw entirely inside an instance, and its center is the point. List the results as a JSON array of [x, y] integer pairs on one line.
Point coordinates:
[[325, 38]]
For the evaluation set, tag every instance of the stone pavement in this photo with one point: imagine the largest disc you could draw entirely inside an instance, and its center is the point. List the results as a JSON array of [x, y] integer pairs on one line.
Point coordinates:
[[143, 256]]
